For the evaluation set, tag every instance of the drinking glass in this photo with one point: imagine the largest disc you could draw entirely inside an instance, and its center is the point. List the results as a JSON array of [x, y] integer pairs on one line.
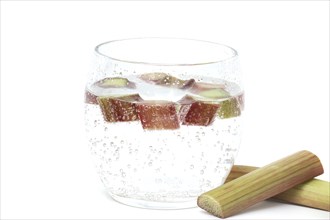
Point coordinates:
[[163, 118]]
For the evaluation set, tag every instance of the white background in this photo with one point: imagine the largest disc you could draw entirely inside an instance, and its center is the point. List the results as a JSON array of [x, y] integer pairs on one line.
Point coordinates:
[[46, 48]]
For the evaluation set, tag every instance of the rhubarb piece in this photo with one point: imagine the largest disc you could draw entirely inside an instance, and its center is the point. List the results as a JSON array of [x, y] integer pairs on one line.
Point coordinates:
[[313, 193], [115, 82], [241, 100], [200, 113], [164, 79], [216, 93], [153, 77], [187, 84], [260, 184], [90, 98], [195, 111], [209, 90], [187, 100], [122, 108], [230, 108], [157, 115], [205, 86], [184, 107]]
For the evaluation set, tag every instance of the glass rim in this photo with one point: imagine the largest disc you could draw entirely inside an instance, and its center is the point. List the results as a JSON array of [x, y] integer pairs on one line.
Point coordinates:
[[98, 52]]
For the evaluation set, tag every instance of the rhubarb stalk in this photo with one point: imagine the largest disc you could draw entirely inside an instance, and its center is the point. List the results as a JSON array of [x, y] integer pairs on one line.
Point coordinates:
[[313, 193], [260, 184]]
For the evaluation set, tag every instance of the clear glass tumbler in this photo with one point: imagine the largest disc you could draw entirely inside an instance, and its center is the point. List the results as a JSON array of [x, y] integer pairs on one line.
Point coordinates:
[[163, 118]]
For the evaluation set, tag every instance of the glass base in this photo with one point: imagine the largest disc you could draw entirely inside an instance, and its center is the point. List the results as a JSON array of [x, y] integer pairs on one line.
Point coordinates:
[[155, 205]]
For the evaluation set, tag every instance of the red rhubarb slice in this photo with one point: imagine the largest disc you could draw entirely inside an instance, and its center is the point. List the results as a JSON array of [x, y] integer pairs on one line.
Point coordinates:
[[115, 82], [200, 113], [184, 106], [157, 115], [241, 100], [90, 98], [203, 110], [122, 108], [164, 79]]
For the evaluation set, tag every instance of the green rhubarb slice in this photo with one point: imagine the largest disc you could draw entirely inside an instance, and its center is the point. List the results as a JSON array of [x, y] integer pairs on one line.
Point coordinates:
[[230, 108], [119, 108], [164, 79], [209, 90], [153, 77], [216, 93], [158, 115], [115, 82]]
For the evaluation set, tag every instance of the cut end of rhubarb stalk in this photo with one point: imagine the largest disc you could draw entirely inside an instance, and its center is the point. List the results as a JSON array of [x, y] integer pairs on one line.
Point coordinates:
[[210, 205], [115, 82], [120, 108], [158, 115], [164, 79]]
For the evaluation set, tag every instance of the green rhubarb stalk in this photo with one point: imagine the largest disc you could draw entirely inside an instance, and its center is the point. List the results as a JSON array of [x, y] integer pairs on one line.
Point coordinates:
[[260, 184], [313, 193]]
